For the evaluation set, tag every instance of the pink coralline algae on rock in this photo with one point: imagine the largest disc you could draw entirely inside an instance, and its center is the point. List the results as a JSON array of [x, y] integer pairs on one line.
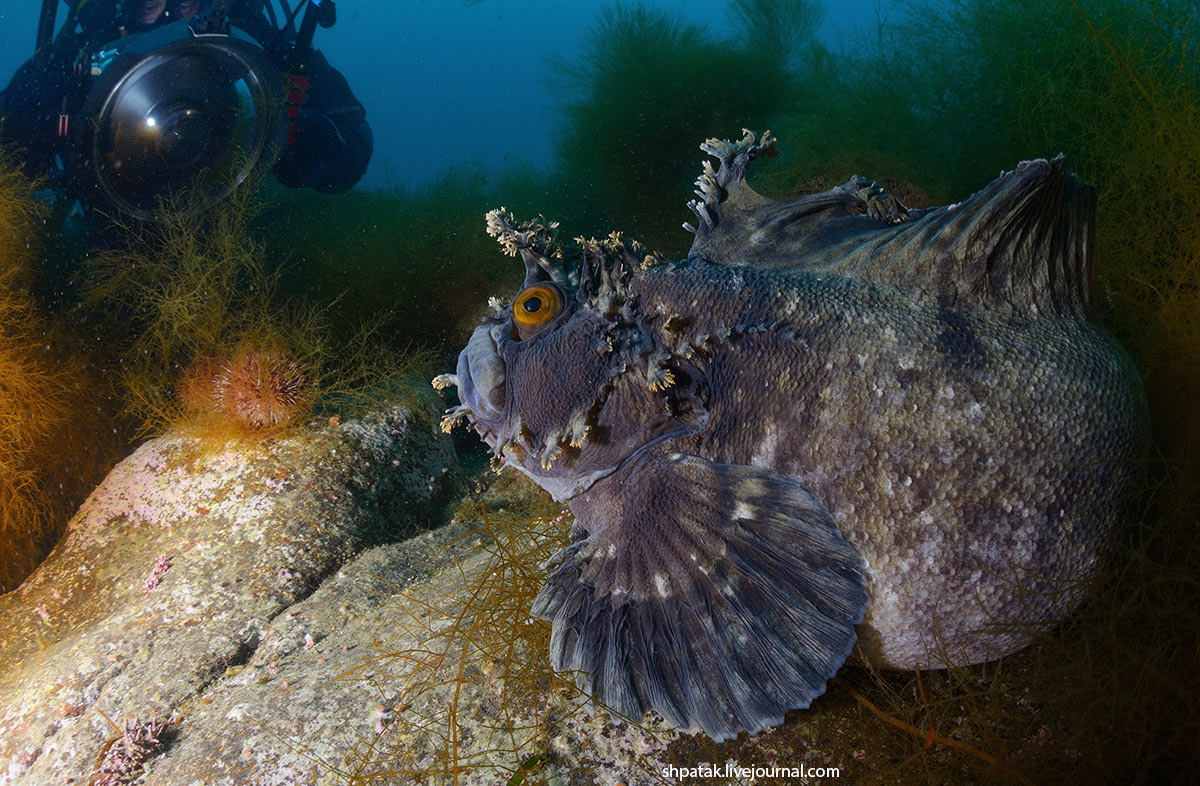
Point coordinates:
[[161, 566]]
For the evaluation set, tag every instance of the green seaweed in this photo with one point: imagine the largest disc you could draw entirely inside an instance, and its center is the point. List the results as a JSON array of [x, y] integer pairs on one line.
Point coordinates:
[[416, 255], [644, 91]]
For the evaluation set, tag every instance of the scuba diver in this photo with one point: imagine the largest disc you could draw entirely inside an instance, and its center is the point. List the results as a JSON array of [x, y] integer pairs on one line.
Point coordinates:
[[134, 101]]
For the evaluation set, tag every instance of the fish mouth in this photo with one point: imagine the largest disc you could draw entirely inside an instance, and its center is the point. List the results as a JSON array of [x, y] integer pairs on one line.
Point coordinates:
[[480, 375]]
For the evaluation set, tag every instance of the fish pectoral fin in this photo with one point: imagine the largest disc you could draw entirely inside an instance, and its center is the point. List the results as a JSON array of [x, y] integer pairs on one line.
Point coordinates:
[[719, 595]]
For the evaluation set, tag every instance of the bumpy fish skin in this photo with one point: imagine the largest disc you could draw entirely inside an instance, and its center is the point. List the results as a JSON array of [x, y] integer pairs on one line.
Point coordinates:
[[965, 459], [836, 422]]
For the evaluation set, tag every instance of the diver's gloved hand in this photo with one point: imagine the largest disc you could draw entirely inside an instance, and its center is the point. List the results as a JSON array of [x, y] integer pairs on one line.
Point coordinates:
[[333, 143]]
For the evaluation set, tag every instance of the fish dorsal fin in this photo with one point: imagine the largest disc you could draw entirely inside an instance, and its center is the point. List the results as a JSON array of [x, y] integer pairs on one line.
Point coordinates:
[[1023, 245]]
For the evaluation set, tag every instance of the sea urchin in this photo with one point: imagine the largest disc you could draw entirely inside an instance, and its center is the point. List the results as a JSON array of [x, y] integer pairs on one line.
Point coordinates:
[[261, 388]]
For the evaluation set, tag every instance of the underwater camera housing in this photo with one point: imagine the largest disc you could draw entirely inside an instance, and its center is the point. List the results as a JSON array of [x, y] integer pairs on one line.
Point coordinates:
[[172, 112]]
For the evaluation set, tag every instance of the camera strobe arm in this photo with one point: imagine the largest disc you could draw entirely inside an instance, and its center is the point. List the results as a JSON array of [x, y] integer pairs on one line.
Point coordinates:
[[316, 12]]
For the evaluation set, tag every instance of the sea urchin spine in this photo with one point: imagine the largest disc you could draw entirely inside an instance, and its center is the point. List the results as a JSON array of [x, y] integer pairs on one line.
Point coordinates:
[[261, 388]]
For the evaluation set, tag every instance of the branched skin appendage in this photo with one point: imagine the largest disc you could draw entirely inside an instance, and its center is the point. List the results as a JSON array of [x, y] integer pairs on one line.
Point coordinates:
[[882, 206], [734, 158], [537, 235]]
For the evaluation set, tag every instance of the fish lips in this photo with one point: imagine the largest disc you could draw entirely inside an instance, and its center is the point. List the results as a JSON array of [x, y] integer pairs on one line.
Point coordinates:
[[481, 380]]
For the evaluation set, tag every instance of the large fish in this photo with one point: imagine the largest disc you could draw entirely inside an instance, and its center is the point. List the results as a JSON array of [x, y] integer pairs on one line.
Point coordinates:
[[836, 422]]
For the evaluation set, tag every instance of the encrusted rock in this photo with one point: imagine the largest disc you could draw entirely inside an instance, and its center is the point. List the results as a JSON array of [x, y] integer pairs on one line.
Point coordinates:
[[232, 618], [183, 566]]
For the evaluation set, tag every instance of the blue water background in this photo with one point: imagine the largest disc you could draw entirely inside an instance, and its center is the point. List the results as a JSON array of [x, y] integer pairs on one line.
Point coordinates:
[[447, 81]]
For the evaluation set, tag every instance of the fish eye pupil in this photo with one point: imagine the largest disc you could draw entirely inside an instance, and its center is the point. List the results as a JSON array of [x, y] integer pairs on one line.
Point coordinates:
[[532, 304]]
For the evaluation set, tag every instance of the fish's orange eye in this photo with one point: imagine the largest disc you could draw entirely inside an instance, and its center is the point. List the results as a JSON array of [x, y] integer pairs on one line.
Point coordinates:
[[535, 307]]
